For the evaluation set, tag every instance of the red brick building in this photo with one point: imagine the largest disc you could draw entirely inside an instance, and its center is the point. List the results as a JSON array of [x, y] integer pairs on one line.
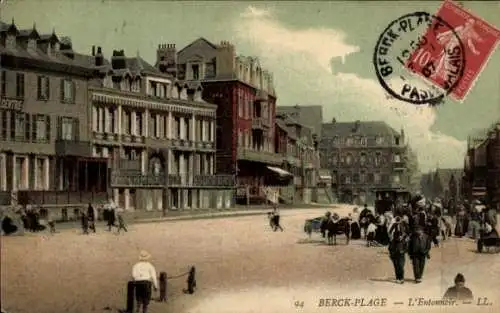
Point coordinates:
[[246, 109]]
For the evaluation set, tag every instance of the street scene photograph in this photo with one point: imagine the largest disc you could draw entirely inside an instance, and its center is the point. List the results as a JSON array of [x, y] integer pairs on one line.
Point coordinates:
[[243, 157]]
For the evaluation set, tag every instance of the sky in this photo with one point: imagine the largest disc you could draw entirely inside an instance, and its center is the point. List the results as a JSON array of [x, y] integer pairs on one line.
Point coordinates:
[[320, 53]]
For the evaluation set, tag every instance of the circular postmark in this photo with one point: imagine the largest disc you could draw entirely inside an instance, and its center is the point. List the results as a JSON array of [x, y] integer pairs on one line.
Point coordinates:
[[419, 58]]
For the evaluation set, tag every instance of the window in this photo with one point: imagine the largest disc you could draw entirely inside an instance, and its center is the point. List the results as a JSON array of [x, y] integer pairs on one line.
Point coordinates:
[[153, 126], [110, 123], [378, 159], [67, 128], [42, 128], [355, 178], [153, 88], [240, 104], [136, 85], [347, 179], [379, 140], [377, 178], [127, 122], [3, 89], [396, 178], [348, 159], [349, 141], [396, 140], [20, 85], [363, 141], [196, 71], [67, 91], [107, 82], [362, 177], [19, 126], [397, 158], [336, 140], [138, 124], [39, 173], [43, 87], [362, 158], [4, 124]]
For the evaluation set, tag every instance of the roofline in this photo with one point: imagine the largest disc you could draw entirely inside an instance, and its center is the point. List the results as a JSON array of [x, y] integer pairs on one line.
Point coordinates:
[[192, 42]]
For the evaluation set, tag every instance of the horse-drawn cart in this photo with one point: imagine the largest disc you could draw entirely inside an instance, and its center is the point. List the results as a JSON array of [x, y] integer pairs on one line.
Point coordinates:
[[388, 198]]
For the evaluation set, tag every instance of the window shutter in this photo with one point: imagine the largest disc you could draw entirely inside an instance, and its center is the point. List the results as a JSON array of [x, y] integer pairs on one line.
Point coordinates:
[[76, 129], [47, 130], [47, 88], [62, 89], [34, 129], [73, 92], [27, 121], [39, 87], [59, 127]]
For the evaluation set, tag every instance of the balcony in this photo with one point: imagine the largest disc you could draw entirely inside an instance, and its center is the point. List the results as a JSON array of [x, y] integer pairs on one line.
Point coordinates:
[[214, 181], [128, 180], [260, 156], [260, 123], [73, 148]]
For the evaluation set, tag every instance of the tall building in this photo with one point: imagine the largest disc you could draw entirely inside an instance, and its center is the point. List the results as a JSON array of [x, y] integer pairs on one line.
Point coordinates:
[[362, 157], [246, 108], [100, 129], [443, 183], [481, 179], [44, 134]]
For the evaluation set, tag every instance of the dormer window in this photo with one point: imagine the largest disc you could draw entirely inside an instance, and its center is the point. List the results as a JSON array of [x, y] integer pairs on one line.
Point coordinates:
[[396, 140], [195, 70]]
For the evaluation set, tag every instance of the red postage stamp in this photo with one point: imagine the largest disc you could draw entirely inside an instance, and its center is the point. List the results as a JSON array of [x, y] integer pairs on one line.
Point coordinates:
[[439, 59]]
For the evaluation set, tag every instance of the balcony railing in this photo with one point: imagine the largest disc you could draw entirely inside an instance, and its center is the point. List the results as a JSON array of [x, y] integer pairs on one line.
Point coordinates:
[[137, 180], [73, 148], [260, 156], [260, 123], [214, 180]]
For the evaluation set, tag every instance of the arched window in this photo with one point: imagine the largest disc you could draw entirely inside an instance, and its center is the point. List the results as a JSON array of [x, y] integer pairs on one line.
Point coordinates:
[[362, 158], [155, 166], [363, 141], [348, 159]]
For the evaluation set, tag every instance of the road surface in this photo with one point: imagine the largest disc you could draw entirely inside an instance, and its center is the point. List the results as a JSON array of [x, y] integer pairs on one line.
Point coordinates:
[[242, 266]]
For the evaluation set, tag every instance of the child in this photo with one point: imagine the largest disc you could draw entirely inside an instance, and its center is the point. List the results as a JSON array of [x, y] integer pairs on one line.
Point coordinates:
[[370, 234]]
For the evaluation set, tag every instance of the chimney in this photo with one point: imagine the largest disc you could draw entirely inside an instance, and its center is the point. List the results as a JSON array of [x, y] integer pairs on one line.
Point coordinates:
[[99, 58], [334, 120], [118, 60], [93, 51]]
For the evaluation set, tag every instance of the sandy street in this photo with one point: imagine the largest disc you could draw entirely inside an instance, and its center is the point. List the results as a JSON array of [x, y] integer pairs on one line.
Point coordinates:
[[242, 266]]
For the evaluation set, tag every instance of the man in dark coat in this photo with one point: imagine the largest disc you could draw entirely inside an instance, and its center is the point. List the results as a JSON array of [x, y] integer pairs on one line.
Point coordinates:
[[91, 217], [397, 249], [433, 228], [419, 249], [459, 291]]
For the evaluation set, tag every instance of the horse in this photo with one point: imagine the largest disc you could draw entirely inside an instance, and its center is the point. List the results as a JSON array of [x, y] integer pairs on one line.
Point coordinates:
[[331, 229]]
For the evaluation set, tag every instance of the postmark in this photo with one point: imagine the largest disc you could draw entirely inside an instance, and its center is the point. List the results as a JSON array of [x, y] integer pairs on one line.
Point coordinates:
[[438, 60], [393, 49]]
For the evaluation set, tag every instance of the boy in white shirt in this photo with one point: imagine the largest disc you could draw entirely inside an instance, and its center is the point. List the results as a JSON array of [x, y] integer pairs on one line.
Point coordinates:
[[144, 274]]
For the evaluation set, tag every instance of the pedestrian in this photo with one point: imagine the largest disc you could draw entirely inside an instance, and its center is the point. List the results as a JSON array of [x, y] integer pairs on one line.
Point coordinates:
[[51, 222], [121, 220], [459, 291], [191, 281], [475, 219], [462, 223], [276, 217], [111, 215], [91, 214], [433, 229], [397, 250], [163, 287], [85, 223], [144, 275], [371, 233], [419, 250]]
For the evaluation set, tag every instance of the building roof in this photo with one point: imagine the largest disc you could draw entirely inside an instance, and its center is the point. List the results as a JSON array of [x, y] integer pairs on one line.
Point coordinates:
[[444, 175], [330, 130], [309, 115]]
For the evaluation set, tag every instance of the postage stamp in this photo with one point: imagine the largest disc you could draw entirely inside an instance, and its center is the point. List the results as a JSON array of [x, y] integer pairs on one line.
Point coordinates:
[[391, 56], [440, 60]]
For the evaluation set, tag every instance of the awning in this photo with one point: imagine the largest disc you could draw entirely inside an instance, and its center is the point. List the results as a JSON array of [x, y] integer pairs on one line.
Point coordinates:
[[280, 171]]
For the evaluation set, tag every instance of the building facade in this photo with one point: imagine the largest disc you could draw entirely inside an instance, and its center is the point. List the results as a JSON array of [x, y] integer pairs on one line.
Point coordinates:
[[362, 157], [45, 153], [246, 110], [481, 179]]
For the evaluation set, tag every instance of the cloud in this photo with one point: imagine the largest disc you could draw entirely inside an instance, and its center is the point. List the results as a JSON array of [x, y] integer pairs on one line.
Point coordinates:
[[301, 61]]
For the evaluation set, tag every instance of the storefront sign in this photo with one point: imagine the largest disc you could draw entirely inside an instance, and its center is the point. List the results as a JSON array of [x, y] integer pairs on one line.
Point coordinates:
[[11, 104]]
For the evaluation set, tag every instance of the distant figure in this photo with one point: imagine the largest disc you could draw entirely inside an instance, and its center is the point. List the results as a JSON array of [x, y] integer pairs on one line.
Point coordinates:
[[418, 250], [111, 215], [121, 221], [91, 215], [163, 287], [85, 223], [459, 291], [191, 281], [51, 222], [371, 233], [144, 274], [276, 217]]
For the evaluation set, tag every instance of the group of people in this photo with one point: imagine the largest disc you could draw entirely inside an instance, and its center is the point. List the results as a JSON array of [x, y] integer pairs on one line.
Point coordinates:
[[110, 214]]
